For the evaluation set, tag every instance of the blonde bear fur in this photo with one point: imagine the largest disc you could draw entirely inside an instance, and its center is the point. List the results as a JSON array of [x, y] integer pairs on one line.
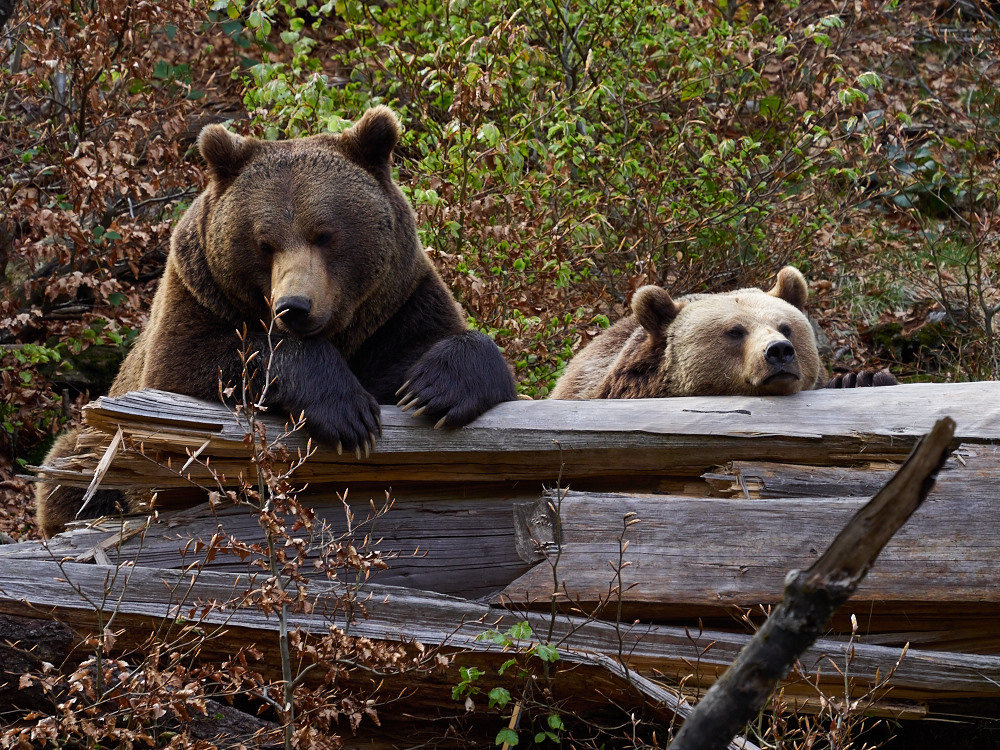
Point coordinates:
[[747, 342]]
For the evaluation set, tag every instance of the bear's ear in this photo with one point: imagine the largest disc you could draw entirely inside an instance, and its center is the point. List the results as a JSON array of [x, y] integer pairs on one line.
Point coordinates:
[[791, 286], [370, 141], [225, 153], [654, 309]]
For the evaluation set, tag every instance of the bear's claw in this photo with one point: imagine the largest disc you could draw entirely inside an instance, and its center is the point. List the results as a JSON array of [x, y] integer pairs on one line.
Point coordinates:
[[865, 378]]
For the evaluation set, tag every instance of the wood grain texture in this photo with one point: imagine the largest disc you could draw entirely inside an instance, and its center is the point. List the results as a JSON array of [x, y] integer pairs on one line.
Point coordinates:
[[543, 440], [462, 546], [691, 554], [755, 486], [144, 598], [689, 558]]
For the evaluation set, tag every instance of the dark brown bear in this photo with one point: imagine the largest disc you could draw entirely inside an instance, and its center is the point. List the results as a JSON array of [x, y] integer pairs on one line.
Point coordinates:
[[743, 343], [317, 226]]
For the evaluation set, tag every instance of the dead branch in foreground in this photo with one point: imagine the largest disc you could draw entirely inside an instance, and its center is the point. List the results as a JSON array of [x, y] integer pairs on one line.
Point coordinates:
[[811, 597]]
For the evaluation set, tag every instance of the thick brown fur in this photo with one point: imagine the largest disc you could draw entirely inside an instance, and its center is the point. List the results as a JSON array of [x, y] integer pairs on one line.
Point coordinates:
[[317, 227], [747, 342]]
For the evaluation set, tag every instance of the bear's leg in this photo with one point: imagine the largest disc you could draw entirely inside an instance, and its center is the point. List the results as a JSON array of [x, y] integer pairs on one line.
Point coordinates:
[[57, 504], [307, 375], [457, 379], [310, 376]]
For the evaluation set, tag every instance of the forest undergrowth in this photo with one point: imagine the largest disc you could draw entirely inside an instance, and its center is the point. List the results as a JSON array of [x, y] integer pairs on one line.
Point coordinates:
[[559, 155]]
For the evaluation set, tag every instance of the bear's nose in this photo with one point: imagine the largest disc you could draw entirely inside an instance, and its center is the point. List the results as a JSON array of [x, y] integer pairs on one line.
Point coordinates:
[[294, 312], [779, 353]]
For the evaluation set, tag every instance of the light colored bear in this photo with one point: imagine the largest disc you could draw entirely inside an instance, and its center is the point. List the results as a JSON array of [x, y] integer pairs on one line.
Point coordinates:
[[747, 342]]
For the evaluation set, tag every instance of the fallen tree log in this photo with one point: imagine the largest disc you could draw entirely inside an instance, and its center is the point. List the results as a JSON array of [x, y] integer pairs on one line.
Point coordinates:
[[470, 518], [136, 603], [146, 600], [689, 558], [704, 556], [541, 441]]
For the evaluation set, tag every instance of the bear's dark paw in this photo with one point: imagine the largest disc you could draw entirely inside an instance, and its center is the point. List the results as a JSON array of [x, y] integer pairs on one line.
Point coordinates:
[[457, 379], [348, 421], [867, 378]]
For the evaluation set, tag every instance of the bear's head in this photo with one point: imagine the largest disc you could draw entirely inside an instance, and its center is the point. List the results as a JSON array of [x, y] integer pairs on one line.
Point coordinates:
[[748, 342], [314, 225]]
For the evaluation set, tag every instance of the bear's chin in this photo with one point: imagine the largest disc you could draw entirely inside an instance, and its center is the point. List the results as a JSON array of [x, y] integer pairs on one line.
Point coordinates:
[[310, 328], [782, 383]]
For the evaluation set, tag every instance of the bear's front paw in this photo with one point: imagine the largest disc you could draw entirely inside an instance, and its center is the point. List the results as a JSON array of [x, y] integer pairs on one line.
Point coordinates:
[[867, 378], [349, 421], [457, 379]]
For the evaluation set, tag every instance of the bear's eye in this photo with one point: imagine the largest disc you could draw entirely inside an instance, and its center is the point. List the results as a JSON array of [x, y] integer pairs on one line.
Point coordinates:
[[324, 239], [267, 248], [785, 330], [736, 333]]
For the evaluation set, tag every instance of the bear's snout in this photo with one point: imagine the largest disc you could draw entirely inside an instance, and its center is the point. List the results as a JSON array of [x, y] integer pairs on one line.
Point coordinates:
[[779, 353], [303, 293], [294, 312]]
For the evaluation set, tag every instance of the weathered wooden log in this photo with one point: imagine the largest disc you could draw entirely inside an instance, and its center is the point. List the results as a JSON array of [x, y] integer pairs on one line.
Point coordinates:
[[468, 519], [700, 557], [544, 440], [146, 600], [718, 553], [688, 558], [811, 597], [136, 603]]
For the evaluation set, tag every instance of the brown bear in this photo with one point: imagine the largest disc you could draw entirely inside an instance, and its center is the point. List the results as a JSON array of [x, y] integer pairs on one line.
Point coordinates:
[[743, 343], [315, 232]]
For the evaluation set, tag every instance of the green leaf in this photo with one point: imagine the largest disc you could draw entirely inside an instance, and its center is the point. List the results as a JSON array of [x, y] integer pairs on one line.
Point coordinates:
[[490, 133], [870, 79], [545, 652], [470, 674], [770, 105], [520, 631], [499, 697], [506, 736], [555, 722]]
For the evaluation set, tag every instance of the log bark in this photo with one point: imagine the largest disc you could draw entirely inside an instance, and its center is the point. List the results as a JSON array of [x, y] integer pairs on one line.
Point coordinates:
[[137, 603], [542, 441], [692, 557], [147, 600], [689, 558], [810, 599]]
